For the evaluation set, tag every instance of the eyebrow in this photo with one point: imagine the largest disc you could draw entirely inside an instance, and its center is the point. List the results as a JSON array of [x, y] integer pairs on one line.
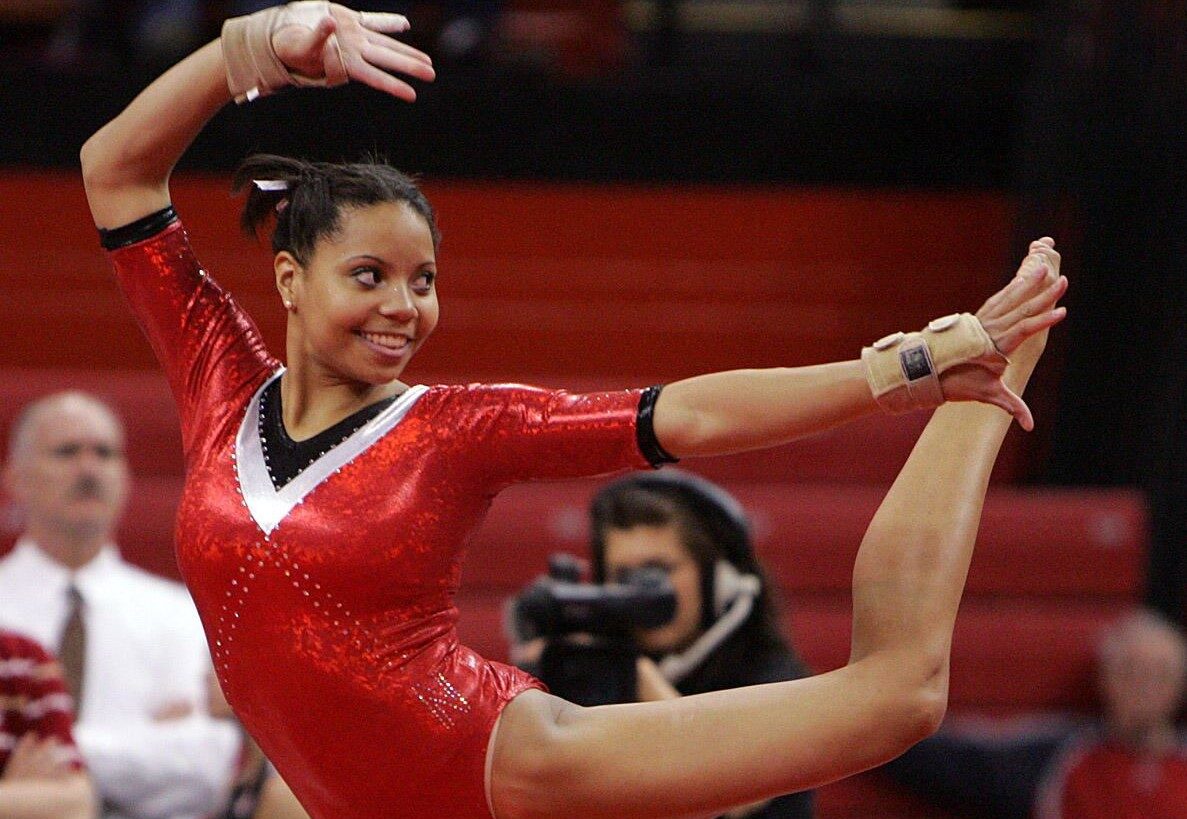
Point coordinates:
[[366, 257]]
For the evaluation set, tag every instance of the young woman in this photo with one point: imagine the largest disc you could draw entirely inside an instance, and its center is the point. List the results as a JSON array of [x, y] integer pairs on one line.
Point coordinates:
[[725, 632], [327, 503]]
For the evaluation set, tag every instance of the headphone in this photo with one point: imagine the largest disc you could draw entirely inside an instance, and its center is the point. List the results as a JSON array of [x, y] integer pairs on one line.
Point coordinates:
[[729, 588]]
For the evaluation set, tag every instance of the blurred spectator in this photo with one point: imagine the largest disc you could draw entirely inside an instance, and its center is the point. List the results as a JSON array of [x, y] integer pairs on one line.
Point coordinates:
[[1131, 763], [130, 644], [725, 632], [41, 772]]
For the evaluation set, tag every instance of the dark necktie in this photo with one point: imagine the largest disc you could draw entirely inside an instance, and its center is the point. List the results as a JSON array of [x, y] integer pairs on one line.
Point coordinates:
[[72, 649]]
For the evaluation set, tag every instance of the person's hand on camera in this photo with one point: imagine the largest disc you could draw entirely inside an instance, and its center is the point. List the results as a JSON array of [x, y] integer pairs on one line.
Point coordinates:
[[653, 686]]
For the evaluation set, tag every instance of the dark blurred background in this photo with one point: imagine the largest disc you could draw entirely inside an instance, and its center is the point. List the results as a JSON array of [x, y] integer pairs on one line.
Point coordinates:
[[924, 93]]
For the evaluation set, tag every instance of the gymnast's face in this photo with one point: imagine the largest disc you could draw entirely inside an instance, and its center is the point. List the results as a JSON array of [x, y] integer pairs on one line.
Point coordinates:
[[660, 547], [366, 300]]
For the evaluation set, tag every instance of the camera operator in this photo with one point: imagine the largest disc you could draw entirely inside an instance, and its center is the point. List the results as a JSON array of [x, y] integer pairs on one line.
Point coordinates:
[[720, 628]]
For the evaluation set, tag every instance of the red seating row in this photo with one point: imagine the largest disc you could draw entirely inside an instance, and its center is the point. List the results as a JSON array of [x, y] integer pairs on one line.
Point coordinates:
[[1042, 543]]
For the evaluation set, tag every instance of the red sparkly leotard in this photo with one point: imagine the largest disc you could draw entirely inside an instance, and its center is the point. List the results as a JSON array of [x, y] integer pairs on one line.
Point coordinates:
[[328, 602]]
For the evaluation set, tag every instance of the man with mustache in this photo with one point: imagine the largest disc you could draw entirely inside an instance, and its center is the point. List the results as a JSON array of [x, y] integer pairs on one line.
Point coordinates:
[[130, 643]]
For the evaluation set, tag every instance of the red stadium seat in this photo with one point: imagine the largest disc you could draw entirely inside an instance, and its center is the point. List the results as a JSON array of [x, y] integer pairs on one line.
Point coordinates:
[[1045, 543]]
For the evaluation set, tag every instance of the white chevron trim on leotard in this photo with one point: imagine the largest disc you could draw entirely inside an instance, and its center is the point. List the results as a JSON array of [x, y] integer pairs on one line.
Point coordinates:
[[269, 506]]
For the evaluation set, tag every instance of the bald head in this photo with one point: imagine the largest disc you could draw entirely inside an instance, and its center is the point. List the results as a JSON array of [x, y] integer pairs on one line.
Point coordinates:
[[66, 468], [71, 402], [1143, 669], [1142, 627]]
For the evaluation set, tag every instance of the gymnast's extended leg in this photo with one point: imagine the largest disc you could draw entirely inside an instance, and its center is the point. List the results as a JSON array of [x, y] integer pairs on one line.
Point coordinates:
[[700, 755]]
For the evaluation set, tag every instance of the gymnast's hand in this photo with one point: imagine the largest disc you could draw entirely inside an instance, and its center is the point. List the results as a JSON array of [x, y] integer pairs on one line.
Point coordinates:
[[348, 44], [1017, 318]]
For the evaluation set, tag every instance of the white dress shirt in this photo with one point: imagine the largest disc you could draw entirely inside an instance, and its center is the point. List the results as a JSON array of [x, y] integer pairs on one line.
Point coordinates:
[[145, 650]]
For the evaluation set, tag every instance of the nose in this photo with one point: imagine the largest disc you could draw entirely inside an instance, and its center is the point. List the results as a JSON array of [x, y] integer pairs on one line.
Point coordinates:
[[90, 459], [398, 303]]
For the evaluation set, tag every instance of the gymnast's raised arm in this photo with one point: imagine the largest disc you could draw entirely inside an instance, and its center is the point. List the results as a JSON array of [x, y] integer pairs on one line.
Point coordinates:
[[126, 164]]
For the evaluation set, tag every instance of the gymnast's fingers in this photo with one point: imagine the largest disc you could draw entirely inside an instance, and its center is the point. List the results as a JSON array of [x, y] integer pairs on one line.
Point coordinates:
[[1032, 316], [390, 60], [1029, 327], [368, 74], [1029, 280], [392, 44], [1012, 403], [384, 21]]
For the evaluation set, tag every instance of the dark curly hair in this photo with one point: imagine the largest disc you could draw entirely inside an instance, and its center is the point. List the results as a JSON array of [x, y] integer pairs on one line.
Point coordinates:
[[314, 195]]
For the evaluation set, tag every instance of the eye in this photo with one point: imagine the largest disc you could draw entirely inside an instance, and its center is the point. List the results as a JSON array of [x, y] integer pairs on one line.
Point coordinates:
[[661, 565], [423, 283], [367, 276]]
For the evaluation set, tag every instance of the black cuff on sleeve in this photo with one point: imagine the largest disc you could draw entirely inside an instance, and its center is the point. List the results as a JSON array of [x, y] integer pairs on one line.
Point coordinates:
[[649, 445], [144, 228]]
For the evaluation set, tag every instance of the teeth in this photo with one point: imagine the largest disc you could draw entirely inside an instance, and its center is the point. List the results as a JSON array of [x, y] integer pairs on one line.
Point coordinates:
[[392, 342]]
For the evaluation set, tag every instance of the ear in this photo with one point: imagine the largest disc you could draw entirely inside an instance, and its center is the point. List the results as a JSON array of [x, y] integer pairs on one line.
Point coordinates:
[[286, 267]]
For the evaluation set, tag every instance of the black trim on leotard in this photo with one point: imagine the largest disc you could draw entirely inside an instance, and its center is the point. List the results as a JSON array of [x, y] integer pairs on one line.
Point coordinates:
[[143, 228], [649, 445], [286, 458]]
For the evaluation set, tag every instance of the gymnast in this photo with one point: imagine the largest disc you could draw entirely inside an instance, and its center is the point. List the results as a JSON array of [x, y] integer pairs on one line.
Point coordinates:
[[327, 504]]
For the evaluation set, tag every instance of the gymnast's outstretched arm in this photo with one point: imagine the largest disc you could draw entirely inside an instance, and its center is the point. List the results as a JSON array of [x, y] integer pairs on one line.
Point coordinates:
[[699, 755]]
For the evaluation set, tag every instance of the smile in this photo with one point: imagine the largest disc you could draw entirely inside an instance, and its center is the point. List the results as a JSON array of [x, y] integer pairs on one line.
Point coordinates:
[[387, 343]]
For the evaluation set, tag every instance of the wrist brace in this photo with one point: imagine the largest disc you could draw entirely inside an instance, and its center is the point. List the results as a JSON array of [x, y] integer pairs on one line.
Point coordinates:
[[254, 70], [903, 369]]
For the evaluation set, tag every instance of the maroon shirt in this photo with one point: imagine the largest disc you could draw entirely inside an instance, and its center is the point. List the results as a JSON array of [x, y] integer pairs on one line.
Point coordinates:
[[33, 697]]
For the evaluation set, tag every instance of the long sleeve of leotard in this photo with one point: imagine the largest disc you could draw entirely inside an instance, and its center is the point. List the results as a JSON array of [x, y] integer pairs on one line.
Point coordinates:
[[209, 347], [514, 434]]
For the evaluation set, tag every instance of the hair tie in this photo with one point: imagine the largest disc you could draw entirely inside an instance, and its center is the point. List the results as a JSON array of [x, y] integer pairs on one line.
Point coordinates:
[[271, 185], [281, 205]]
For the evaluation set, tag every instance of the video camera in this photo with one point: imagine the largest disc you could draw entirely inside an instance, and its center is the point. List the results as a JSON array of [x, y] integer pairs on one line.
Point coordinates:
[[589, 657]]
